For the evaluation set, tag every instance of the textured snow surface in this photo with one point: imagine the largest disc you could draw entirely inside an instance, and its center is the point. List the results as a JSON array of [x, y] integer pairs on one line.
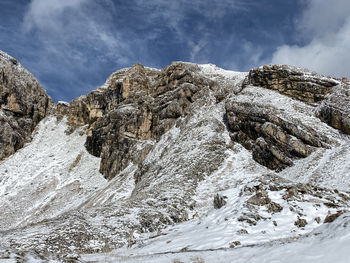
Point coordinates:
[[330, 243], [51, 175], [226, 78]]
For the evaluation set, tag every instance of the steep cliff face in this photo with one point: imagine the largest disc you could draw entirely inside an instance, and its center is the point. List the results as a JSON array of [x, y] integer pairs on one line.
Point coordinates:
[[135, 105], [335, 110], [310, 87], [23, 103]]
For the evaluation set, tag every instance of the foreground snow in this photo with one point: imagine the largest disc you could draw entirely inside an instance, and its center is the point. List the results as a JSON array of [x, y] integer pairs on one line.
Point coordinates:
[[330, 243]]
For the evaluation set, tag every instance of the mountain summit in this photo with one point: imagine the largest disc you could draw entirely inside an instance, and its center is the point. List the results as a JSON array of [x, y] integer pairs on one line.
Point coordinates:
[[191, 162]]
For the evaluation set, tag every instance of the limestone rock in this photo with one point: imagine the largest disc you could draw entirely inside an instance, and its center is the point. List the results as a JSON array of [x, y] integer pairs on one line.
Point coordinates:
[[300, 222], [330, 218], [23, 103], [273, 140], [219, 201], [62, 108], [260, 198], [274, 207], [136, 105], [307, 86], [295, 82], [335, 109]]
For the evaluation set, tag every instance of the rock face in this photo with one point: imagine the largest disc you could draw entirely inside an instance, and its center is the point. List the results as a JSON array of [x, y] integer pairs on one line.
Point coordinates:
[[335, 110], [308, 87], [135, 104], [291, 81], [274, 138], [139, 104], [23, 103]]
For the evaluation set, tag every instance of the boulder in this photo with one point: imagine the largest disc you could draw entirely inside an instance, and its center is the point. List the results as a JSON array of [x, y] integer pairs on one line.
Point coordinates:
[[219, 201]]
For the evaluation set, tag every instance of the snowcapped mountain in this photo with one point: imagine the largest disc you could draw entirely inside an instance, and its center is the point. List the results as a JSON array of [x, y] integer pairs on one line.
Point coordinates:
[[191, 163]]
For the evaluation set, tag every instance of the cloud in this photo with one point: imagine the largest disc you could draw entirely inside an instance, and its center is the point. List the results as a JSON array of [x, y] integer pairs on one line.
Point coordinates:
[[45, 15], [65, 26], [78, 43], [325, 27], [191, 22], [73, 41]]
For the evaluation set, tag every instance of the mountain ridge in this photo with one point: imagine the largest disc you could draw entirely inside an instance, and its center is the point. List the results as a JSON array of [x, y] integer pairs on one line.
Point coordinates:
[[269, 147]]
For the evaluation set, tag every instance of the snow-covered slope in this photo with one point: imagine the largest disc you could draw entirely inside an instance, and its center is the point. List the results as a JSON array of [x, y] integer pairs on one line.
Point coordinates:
[[329, 243], [54, 200], [49, 176]]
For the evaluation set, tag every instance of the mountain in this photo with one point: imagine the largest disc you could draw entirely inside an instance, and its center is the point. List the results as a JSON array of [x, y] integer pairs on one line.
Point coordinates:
[[191, 163]]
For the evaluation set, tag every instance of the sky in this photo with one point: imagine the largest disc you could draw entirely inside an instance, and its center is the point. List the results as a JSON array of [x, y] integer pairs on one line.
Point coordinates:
[[72, 46]]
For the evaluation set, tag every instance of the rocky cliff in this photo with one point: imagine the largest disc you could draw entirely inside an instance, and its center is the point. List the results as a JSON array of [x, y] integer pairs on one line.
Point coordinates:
[[276, 136], [191, 158], [142, 104], [136, 104], [309, 87], [23, 103]]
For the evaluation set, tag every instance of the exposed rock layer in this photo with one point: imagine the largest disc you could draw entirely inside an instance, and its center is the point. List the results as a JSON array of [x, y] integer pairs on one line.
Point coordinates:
[[139, 103], [294, 82], [335, 110], [309, 87], [274, 141]]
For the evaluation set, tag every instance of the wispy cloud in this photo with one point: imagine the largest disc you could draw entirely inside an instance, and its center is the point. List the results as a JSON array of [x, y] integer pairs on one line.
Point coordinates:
[[69, 27], [74, 40], [182, 17], [64, 26], [76, 44], [325, 27]]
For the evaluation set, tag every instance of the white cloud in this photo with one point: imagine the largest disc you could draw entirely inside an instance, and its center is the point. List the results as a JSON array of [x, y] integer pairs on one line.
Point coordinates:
[[197, 48], [70, 27], [44, 15], [325, 25]]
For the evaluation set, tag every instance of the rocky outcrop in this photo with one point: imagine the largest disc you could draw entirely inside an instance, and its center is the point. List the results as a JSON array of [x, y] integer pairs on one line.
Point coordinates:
[[274, 141], [87, 109], [335, 110], [136, 105], [219, 201], [274, 138], [23, 103], [289, 195], [295, 82]]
